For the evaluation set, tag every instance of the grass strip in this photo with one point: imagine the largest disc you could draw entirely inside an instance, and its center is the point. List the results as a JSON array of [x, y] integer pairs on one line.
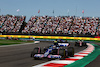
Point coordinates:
[[10, 42]]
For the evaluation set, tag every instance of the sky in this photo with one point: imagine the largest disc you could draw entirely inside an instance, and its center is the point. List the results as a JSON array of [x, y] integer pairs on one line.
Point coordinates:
[[30, 8]]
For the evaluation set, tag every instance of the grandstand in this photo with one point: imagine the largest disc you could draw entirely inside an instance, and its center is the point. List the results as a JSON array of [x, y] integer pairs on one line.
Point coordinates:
[[11, 24], [62, 25], [50, 25]]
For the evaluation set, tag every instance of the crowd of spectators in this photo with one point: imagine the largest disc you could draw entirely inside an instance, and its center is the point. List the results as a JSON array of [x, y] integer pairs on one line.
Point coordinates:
[[63, 25], [11, 24], [47, 25], [85, 26]]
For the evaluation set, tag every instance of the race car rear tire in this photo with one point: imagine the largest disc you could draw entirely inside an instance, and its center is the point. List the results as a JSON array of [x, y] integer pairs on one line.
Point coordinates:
[[70, 51]]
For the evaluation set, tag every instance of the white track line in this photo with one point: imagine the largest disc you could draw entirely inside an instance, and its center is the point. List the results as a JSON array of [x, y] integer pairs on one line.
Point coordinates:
[[76, 57], [81, 54], [62, 61]]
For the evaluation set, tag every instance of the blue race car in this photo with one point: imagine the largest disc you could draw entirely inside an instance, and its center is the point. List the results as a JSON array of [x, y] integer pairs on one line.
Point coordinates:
[[52, 52]]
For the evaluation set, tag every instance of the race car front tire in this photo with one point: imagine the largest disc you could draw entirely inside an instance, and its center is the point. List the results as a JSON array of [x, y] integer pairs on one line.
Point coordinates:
[[35, 51]]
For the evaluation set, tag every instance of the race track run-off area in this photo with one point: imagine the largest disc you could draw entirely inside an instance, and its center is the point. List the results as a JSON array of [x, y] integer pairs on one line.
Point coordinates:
[[67, 61]]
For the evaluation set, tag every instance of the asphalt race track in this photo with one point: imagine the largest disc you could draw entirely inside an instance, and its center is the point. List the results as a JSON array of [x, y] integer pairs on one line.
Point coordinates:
[[19, 56]]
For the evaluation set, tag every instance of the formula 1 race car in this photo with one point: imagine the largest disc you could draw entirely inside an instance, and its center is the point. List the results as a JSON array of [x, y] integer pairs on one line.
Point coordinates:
[[80, 43], [53, 52]]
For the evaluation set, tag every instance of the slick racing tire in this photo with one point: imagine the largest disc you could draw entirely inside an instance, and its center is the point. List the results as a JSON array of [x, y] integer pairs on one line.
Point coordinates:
[[35, 51], [70, 51]]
